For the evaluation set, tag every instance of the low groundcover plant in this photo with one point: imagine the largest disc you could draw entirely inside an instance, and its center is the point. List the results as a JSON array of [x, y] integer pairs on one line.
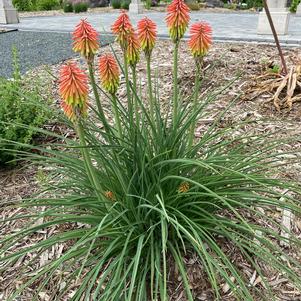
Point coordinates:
[[145, 191]]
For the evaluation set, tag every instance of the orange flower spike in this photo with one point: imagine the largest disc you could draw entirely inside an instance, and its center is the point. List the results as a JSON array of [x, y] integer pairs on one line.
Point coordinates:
[[133, 49], [177, 19], [109, 73], [147, 34], [85, 39], [73, 88], [122, 27], [201, 39]]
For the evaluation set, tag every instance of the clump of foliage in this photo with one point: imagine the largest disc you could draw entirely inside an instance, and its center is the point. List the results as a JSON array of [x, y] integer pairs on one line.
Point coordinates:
[[294, 6], [125, 4], [116, 4], [21, 112], [47, 4], [145, 190], [32, 5], [68, 7], [80, 7], [193, 5], [25, 5]]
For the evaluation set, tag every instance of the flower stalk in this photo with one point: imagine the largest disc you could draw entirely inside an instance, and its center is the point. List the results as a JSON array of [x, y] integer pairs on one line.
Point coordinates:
[[197, 85], [175, 83]]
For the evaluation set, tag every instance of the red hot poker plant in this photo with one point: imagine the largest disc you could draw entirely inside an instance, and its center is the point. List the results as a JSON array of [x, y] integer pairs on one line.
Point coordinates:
[[147, 33], [200, 39], [109, 76], [199, 43], [73, 89], [85, 39], [122, 27], [177, 19], [109, 73]]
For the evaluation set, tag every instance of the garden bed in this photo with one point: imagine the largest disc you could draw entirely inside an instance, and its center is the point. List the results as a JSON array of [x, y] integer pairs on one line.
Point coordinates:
[[226, 63]]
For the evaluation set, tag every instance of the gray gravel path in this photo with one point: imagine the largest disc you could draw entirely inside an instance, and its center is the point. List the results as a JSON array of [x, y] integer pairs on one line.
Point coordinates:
[[35, 49]]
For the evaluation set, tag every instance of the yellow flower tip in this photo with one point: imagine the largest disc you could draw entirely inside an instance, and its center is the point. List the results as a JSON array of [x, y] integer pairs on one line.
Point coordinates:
[[147, 34], [200, 39], [177, 19], [184, 187], [109, 73], [85, 39], [73, 89]]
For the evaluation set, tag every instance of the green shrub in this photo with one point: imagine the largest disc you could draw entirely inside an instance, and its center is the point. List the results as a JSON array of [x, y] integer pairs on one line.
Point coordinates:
[[116, 4], [230, 5], [254, 3], [20, 111], [80, 7], [24, 5], [294, 5], [47, 4], [193, 5], [125, 4], [68, 7]]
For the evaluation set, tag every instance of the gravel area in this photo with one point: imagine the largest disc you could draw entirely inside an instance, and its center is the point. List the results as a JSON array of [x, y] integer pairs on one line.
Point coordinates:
[[35, 49]]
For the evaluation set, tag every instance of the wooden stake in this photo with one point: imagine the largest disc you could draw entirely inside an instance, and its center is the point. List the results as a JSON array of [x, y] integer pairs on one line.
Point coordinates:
[[284, 68]]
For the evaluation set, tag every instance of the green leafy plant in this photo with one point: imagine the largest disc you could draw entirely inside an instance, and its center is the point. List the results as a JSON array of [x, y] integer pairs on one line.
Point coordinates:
[[116, 4], [68, 7], [25, 5], [294, 5], [47, 4], [80, 7], [21, 112], [230, 5], [275, 69], [146, 192], [125, 4]]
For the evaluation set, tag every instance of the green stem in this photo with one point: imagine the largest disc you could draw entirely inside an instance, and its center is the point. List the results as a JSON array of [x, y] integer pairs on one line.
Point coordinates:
[[116, 115], [136, 105], [195, 100], [87, 160], [150, 88], [175, 83], [128, 89], [97, 98]]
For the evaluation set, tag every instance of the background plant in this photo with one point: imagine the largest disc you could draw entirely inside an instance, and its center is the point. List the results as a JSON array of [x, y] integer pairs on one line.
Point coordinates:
[[24, 5], [80, 7], [294, 5], [116, 4], [68, 7], [21, 113], [148, 193], [125, 4]]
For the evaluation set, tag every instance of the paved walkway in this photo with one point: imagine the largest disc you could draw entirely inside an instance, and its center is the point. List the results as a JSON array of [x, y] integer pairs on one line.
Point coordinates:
[[226, 26]]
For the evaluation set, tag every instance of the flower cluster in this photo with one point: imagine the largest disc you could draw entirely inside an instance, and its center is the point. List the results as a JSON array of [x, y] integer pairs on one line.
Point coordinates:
[[201, 39], [73, 89], [73, 81], [147, 33], [177, 19], [122, 27], [85, 39], [109, 73]]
